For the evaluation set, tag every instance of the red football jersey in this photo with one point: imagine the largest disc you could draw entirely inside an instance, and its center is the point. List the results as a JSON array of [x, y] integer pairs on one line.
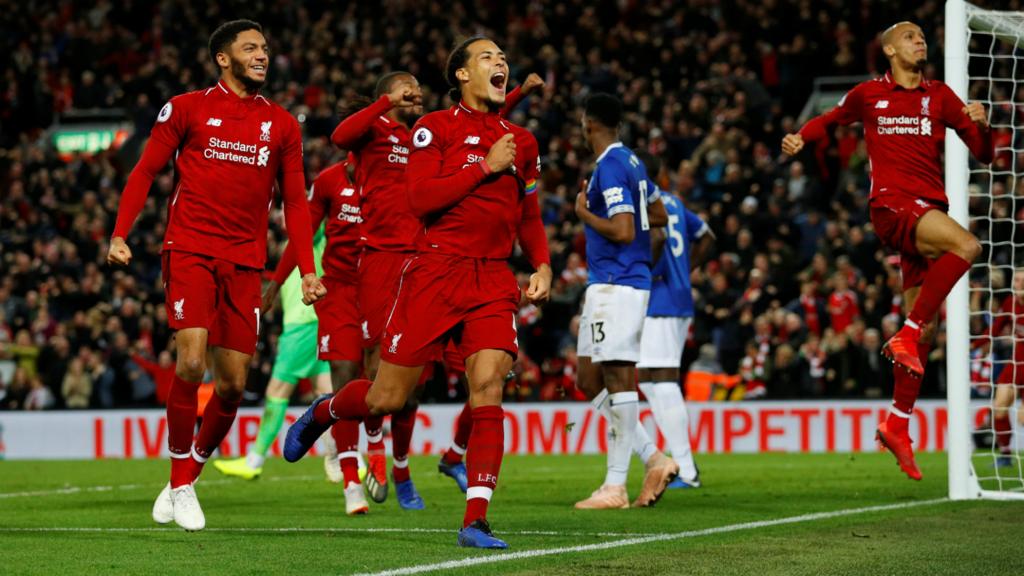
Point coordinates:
[[1011, 311], [332, 196], [465, 210], [905, 133], [843, 309], [381, 150], [230, 153]]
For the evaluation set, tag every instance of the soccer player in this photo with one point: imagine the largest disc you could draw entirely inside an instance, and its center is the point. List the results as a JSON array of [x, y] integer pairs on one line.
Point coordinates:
[[682, 243], [379, 139], [1011, 378], [905, 116], [336, 200], [230, 145], [296, 359], [613, 209], [471, 175]]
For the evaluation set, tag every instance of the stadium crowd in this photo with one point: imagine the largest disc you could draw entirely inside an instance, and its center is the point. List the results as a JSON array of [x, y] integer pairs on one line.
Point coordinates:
[[796, 299]]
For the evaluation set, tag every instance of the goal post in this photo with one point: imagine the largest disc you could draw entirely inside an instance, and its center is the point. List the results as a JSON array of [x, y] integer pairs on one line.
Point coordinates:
[[983, 60]]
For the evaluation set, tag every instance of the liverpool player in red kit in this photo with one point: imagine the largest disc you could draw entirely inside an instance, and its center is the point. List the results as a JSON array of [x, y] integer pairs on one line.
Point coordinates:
[[230, 145], [471, 178], [334, 197], [904, 117], [378, 139]]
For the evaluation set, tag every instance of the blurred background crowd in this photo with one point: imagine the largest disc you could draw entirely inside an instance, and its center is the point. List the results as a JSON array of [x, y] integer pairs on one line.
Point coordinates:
[[795, 300]]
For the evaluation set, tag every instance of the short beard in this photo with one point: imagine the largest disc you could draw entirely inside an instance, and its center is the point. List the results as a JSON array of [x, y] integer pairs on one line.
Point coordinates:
[[920, 64], [408, 116], [238, 71]]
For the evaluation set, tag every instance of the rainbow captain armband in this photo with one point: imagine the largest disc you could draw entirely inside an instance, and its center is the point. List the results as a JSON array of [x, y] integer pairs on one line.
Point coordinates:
[[531, 186]]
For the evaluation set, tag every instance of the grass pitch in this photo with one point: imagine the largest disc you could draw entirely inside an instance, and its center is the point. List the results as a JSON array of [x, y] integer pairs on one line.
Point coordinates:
[[764, 514]]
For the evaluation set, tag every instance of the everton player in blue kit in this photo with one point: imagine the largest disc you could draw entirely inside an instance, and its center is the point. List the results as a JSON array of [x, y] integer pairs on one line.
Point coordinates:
[[617, 227], [684, 242]]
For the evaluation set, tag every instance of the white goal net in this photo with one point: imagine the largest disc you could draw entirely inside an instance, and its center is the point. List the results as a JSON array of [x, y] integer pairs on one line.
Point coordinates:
[[985, 338]]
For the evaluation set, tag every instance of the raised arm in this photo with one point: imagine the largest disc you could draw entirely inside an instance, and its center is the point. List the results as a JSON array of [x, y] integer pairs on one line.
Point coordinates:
[[847, 111], [971, 123]]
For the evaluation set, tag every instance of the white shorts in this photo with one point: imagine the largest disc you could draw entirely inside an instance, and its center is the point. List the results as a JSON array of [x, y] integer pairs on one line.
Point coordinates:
[[661, 345], [611, 323]]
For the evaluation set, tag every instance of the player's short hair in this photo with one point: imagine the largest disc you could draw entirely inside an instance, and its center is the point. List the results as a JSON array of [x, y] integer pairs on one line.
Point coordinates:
[[226, 33], [604, 108], [385, 82], [457, 59]]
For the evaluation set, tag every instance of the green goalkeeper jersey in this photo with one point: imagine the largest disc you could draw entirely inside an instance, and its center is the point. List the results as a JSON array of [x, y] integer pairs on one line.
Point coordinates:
[[295, 312]]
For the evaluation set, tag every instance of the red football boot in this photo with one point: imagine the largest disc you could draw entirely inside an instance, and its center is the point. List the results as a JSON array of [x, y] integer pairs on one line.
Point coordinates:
[[901, 349], [898, 442]]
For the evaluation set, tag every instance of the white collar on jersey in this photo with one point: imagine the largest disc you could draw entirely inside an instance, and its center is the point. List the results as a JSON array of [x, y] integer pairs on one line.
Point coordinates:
[[608, 149]]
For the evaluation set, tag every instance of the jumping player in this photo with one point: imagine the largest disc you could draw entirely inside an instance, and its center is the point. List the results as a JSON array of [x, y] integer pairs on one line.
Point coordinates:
[[471, 177], [904, 117], [230, 146]]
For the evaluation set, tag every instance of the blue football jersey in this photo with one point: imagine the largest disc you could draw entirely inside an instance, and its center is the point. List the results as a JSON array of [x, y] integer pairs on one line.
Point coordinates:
[[620, 186], [670, 285]]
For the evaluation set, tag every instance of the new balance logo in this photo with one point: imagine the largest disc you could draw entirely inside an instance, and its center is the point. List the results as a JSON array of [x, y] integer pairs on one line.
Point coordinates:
[[393, 349], [366, 330], [348, 191], [472, 139], [213, 122], [881, 104], [325, 343], [921, 203], [393, 139], [179, 309]]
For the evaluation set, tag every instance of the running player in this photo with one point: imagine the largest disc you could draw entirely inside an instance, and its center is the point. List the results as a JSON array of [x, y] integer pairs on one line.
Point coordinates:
[[230, 146], [613, 209], [471, 176], [379, 139], [296, 359], [905, 116]]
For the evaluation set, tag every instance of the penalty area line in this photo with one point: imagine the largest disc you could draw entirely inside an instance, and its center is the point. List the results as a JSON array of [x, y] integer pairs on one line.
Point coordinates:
[[648, 539]]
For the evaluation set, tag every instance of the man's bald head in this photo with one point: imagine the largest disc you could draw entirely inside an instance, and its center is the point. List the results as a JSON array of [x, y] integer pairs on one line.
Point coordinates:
[[903, 43]]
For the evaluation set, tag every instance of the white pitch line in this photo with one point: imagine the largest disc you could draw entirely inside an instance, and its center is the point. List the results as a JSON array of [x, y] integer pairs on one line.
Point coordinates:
[[84, 489], [332, 530], [508, 556]]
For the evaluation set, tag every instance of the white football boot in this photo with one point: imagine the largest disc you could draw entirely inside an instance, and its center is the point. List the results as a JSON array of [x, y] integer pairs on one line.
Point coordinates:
[[163, 508], [187, 512]]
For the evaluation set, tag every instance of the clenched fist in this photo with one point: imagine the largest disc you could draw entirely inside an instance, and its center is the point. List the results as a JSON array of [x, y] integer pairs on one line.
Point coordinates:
[[502, 153], [119, 252], [792, 144]]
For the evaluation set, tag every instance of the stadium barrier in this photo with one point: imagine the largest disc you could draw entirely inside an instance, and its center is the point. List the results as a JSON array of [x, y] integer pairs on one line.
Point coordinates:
[[542, 428]]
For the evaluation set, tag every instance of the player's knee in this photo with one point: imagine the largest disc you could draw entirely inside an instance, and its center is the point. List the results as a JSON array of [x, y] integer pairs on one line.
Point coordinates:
[[488, 389], [191, 369], [970, 248], [383, 404]]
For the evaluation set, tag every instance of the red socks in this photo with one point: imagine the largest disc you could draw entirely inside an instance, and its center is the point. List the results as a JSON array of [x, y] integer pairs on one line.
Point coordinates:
[[346, 438], [463, 427], [218, 417], [906, 387], [486, 445], [402, 425], [939, 280], [349, 403], [1004, 433], [182, 405]]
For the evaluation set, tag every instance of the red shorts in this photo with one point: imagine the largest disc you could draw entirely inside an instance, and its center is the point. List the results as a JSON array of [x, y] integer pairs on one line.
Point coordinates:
[[453, 358], [340, 335], [469, 301], [895, 217], [220, 296], [379, 273], [1012, 373]]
